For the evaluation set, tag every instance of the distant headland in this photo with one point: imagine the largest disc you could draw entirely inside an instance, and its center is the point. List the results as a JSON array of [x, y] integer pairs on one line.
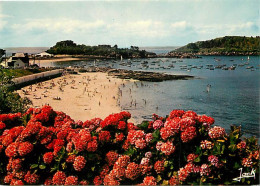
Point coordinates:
[[228, 45]]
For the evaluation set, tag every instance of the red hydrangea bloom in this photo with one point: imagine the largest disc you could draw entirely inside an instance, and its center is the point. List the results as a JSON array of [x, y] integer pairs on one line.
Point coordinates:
[[69, 147], [16, 182], [159, 166], [11, 150], [188, 134], [48, 181], [105, 171], [186, 122], [45, 135], [241, 145], [119, 137], [48, 157], [145, 161], [71, 158], [157, 124], [62, 134], [97, 180], [2, 125], [140, 143], [16, 164], [71, 180], [217, 132], [174, 181], [113, 119], [59, 178], [121, 125], [132, 171], [213, 160], [167, 148], [104, 136], [92, 146], [8, 178], [191, 157], [148, 154], [247, 162], [190, 114], [146, 169], [126, 145], [84, 182], [111, 157], [183, 174], [31, 178], [206, 144], [7, 139], [110, 180], [122, 161], [79, 163], [19, 174], [206, 119], [118, 173], [58, 144], [149, 180], [134, 135], [131, 126], [148, 137], [176, 113], [205, 170], [189, 167], [166, 132], [159, 145]]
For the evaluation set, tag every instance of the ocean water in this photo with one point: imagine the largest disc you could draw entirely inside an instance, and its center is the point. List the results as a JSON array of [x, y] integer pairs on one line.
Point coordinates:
[[29, 50]]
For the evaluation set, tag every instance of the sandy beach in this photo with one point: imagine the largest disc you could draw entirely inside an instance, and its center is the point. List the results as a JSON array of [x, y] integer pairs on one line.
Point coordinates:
[[83, 96], [56, 59]]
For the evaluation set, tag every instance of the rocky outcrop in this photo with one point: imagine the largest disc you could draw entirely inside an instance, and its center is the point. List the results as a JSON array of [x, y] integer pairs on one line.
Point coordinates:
[[139, 75]]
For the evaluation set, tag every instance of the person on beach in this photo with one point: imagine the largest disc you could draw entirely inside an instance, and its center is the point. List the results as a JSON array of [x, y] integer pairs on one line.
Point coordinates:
[[208, 88]]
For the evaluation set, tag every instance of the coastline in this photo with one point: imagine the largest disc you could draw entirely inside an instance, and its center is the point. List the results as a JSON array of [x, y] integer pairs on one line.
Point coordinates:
[[83, 96]]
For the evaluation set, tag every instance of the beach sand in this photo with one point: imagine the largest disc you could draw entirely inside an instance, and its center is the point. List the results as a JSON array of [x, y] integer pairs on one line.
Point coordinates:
[[55, 59], [83, 96]]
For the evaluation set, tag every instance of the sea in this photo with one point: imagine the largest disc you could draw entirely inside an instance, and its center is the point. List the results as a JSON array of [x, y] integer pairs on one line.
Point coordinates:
[[231, 97]]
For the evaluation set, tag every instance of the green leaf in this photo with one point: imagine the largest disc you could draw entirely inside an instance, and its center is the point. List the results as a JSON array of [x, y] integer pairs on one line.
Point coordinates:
[[143, 125], [42, 166], [156, 134], [64, 165], [33, 166], [159, 178], [236, 166], [197, 159], [93, 168]]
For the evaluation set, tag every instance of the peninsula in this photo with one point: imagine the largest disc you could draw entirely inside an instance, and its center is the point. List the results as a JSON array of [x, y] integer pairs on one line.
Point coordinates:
[[228, 45]]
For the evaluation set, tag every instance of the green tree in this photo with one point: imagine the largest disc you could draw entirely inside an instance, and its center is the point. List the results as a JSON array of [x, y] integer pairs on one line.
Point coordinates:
[[11, 102]]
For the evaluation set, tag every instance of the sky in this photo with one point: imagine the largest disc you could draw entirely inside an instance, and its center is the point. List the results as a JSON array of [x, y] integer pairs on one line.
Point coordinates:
[[125, 23]]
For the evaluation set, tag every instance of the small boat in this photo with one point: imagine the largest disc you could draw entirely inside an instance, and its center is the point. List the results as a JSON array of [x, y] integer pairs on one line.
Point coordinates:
[[232, 68], [249, 67]]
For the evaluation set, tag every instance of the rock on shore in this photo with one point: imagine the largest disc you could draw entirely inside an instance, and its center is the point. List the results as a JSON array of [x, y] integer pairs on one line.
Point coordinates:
[[139, 75]]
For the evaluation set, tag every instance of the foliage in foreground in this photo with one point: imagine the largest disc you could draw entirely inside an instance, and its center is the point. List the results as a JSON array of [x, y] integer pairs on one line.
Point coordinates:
[[48, 147], [10, 101]]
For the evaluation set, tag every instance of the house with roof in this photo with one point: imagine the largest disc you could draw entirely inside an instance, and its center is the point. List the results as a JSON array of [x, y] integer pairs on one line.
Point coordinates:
[[17, 60]]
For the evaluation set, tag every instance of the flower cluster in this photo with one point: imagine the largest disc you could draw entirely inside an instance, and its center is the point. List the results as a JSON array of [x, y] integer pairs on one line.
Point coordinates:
[[43, 146]]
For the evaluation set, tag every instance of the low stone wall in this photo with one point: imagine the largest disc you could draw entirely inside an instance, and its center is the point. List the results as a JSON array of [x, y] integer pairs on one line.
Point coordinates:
[[27, 80]]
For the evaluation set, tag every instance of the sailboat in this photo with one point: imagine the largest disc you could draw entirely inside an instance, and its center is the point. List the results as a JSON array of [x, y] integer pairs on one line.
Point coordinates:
[[121, 58], [248, 58]]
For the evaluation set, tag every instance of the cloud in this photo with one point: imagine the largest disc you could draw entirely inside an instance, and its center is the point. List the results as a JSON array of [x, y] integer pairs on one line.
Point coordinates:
[[67, 26]]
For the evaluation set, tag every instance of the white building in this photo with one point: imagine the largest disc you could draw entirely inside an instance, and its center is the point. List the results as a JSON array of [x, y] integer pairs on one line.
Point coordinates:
[[18, 60], [44, 54]]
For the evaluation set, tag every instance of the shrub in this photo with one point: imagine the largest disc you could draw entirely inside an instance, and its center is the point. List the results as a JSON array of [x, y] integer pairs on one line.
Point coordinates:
[[44, 146]]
